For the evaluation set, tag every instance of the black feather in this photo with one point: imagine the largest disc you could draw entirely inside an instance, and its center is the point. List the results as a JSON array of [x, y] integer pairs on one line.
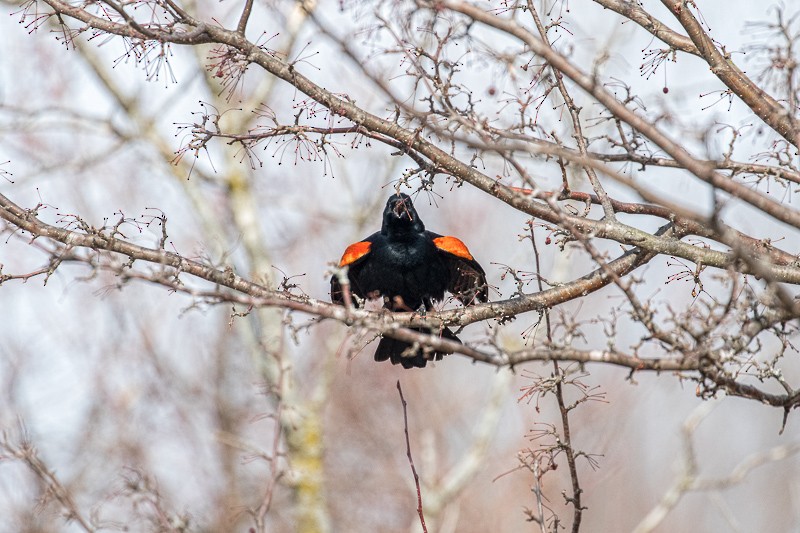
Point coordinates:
[[404, 265]]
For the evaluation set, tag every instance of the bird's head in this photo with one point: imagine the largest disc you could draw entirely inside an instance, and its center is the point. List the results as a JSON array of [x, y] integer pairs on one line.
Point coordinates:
[[400, 216]]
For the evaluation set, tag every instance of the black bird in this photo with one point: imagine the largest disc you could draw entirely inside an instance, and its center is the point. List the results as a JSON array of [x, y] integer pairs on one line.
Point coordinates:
[[410, 268]]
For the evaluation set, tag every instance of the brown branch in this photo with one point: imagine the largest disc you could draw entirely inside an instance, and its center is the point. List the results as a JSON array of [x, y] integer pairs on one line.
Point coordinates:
[[558, 374], [441, 160], [698, 43], [27, 220], [631, 156], [391, 324], [718, 231], [575, 500], [411, 459], [251, 294], [591, 85], [260, 134], [690, 223], [634, 12], [26, 453], [574, 114], [736, 167], [444, 162], [242, 25], [763, 105]]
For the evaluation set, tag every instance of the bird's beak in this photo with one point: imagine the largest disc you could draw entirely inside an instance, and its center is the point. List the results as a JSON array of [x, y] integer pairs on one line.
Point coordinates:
[[401, 210]]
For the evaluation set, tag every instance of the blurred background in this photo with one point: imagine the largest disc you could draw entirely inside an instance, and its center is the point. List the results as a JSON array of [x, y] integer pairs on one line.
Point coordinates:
[[158, 412]]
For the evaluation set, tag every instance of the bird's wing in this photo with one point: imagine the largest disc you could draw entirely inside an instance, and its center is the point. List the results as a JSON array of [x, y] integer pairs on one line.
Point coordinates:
[[353, 257], [467, 279]]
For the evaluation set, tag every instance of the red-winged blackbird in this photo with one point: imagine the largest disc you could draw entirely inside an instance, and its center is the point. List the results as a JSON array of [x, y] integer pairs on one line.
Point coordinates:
[[410, 267]]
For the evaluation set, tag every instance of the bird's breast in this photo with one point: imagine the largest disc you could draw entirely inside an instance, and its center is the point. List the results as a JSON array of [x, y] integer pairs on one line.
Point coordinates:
[[408, 255], [412, 270]]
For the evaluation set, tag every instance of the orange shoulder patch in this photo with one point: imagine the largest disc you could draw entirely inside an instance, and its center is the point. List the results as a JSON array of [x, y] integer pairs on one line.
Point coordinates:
[[355, 252], [453, 246]]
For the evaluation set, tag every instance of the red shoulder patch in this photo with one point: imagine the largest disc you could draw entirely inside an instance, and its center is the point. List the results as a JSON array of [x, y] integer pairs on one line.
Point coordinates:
[[453, 246], [355, 252]]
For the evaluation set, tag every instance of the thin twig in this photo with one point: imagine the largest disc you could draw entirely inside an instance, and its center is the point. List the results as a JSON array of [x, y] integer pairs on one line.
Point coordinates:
[[26, 452], [411, 460], [574, 113], [248, 8], [590, 84], [563, 410]]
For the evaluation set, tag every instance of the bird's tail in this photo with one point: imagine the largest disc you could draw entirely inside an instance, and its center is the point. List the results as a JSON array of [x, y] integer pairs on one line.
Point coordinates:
[[404, 353]]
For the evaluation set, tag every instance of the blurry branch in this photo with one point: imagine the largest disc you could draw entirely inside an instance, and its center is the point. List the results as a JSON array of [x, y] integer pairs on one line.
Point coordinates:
[[689, 479], [264, 337], [687, 476], [300, 418], [20, 121], [271, 457], [747, 465], [456, 479], [25, 452], [144, 493]]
